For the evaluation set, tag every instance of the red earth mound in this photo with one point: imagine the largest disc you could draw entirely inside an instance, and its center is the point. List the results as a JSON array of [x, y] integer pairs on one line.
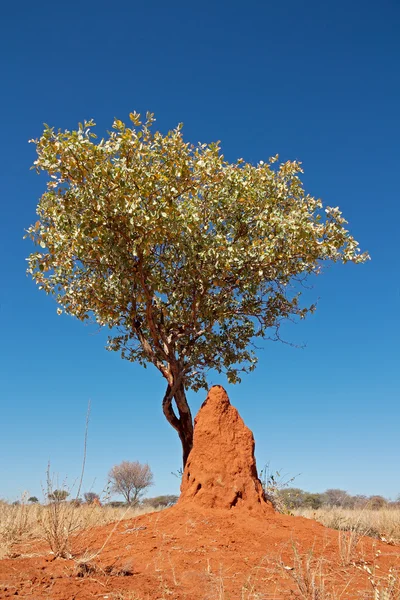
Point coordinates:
[[221, 541], [221, 469]]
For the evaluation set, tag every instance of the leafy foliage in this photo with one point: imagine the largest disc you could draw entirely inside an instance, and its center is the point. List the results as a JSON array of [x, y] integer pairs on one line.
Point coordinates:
[[186, 257]]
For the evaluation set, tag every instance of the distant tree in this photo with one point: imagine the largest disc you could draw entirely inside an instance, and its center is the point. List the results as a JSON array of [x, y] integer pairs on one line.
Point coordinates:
[[131, 479], [336, 497], [116, 504], [377, 502], [76, 502], [359, 501], [187, 258], [33, 499], [58, 495], [292, 498], [91, 497], [313, 501]]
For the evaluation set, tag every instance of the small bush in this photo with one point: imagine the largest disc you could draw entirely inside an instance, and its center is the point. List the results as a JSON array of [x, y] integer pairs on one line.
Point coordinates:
[[160, 501]]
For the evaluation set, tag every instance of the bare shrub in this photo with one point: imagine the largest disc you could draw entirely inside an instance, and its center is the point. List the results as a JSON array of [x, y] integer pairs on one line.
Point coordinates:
[[274, 484], [348, 541], [130, 479], [59, 519]]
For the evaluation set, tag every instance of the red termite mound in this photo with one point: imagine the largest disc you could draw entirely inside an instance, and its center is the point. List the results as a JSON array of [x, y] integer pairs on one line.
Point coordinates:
[[221, 469]]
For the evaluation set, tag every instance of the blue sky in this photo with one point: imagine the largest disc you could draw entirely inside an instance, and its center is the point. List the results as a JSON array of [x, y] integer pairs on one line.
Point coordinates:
[[313, 81]]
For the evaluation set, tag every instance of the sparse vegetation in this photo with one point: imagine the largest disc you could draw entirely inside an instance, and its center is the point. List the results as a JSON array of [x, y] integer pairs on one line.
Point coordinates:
[[308, 571], [383, 524], [308, 574], [23, 522], [292, 498], [59, 520], [374, 515]]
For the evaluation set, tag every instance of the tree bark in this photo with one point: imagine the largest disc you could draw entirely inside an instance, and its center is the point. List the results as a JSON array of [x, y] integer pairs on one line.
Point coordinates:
[[184, 424]]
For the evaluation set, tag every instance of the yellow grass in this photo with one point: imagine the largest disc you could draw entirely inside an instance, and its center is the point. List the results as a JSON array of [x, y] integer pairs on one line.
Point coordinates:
[[383, 523], [23, 522], [27, 522]]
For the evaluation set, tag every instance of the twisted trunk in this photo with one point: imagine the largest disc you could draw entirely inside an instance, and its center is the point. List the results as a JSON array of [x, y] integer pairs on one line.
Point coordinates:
[[162, 354], [182, 424]]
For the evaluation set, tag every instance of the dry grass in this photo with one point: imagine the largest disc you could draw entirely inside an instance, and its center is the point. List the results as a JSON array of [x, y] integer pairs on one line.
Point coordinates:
[[307, 572], [385, 587], [349, 538], [25, 522], [383, 524], [55, 522], [15, 523]]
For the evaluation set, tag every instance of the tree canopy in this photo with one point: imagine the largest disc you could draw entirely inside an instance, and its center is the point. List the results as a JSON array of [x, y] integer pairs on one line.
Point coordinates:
[[186, 257]]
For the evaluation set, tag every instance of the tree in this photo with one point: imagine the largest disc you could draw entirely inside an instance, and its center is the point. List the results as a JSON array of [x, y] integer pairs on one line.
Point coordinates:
[[313, 501], [185, 257], [33, 499], [292, 498], [336, 497], [377, 502], [130, 479], [91, 497], [58, 495], [358, 501]]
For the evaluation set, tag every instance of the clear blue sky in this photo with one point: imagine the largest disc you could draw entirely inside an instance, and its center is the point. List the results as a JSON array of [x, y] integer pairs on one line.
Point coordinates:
[[314, 81]]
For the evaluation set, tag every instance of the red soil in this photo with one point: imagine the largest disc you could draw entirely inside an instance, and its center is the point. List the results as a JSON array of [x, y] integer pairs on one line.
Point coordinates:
[[221, 541]]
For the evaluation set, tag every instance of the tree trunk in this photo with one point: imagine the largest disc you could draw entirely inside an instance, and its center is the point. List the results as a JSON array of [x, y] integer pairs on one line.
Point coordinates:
[[184, 424]]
